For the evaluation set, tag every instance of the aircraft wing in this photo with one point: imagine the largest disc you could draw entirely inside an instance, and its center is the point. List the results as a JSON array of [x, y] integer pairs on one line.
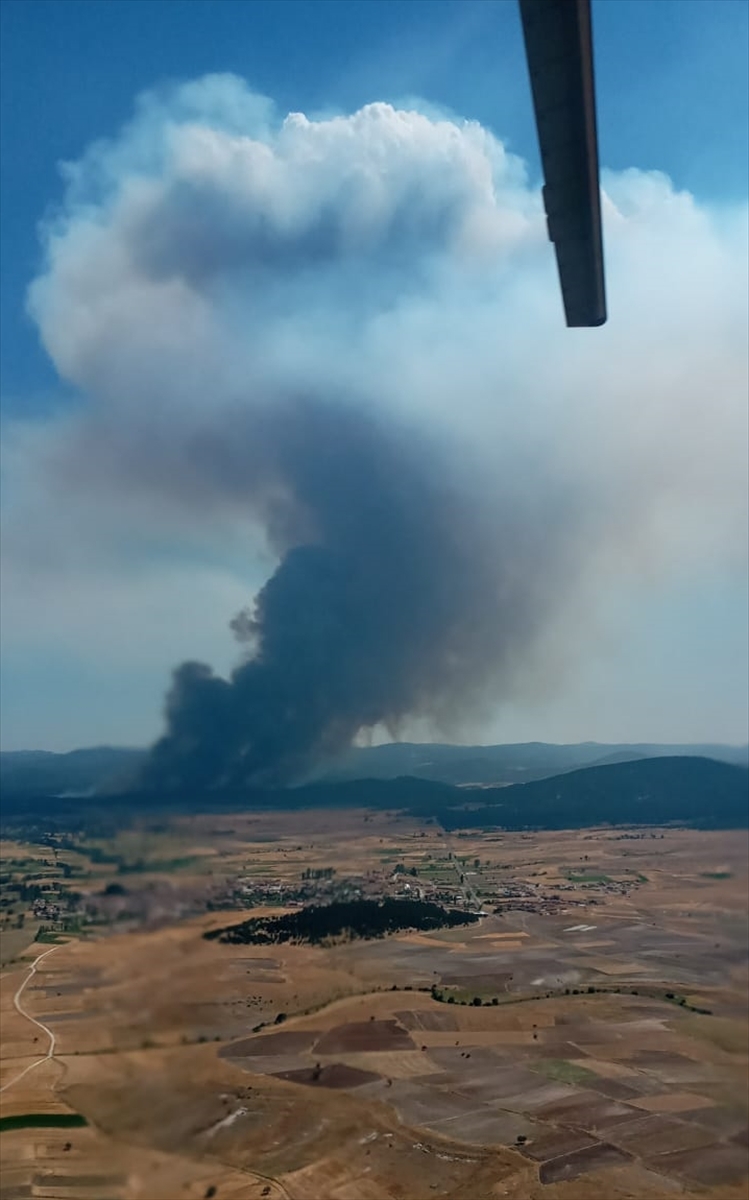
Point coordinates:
[[559, 49]]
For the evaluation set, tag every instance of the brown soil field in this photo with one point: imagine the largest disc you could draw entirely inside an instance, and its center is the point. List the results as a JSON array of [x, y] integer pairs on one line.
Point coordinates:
[[334, 1075], [427, 1019], [716, 1164], [557, 1090], [674, 1102], [358, 1036], [287, 1042], [579, 1162], [559, 1144]]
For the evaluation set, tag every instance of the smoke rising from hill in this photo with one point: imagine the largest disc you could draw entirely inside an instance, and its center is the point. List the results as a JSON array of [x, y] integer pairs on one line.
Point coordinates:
[[347, 332], [389, 600]]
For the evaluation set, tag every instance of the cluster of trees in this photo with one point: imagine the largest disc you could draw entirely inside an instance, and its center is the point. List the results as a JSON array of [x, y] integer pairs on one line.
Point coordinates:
[[342, 919], [449, 998], [444, 997], [27, 892]]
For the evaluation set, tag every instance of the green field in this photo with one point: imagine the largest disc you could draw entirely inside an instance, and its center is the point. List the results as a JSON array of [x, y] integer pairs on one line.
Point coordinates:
[[42, 1121]]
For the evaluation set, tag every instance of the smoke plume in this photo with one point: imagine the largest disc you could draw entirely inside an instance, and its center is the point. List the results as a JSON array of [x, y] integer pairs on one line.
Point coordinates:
[[389, 601], [346, 333]]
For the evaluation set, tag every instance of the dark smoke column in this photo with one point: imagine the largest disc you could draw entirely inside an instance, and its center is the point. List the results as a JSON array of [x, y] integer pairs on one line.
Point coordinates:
[[385, 602]]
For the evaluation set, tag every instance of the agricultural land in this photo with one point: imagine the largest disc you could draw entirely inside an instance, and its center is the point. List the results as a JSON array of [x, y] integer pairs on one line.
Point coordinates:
[[585, 1035]]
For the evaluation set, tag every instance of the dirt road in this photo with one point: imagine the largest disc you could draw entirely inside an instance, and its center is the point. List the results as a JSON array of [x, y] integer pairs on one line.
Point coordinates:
[[19, 1008]]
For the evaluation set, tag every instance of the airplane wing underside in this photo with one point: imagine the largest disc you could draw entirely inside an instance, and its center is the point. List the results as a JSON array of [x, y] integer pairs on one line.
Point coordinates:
[[559, 50]]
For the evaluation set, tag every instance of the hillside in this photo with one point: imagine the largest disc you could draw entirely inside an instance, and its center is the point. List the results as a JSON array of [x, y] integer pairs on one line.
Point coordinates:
[[112, 769], [42, 771], [652, 791], [509, 763], [680, 789]]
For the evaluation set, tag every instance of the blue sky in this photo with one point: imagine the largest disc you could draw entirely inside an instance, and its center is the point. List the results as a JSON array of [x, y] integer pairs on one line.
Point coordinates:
[[673, 96], [671, 79]]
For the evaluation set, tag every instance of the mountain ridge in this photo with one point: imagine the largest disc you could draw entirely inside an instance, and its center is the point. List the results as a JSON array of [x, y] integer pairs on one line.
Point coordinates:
[[683, 790], [107, 768]]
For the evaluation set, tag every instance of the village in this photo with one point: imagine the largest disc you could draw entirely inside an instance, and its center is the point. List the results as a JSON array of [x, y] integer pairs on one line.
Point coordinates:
[[60, 897], [462, 888]]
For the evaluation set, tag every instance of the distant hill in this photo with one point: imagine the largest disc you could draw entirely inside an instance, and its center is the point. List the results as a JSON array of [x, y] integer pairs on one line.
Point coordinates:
[[501, 764], [652, 791], [684, 790], [107, 768], [42, 771]]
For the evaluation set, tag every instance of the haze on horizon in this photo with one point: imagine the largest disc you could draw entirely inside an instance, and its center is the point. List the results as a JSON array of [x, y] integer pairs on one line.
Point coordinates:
[[120, 561]]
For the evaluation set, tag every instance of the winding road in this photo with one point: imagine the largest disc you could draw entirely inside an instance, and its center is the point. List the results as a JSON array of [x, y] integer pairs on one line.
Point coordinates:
[[19, 1008]]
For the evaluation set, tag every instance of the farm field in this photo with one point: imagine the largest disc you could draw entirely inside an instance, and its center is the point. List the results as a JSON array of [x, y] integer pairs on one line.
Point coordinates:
[[593, 1045]]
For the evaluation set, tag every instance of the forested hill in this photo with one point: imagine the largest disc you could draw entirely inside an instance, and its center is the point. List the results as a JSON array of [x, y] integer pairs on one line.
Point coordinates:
[[652, 791], [511, 763], [112, 769], [43, 771], [683, 790], [342, 919]]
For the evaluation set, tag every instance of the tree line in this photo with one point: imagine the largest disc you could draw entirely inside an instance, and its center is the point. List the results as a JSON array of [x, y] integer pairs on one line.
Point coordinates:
[[344, 919]]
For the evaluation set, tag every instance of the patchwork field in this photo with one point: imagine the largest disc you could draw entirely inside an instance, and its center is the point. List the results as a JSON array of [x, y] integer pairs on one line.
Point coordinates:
[[593, 1045]]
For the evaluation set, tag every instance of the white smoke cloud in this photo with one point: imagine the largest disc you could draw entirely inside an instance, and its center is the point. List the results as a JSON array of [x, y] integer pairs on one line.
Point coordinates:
[[214, 256]]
